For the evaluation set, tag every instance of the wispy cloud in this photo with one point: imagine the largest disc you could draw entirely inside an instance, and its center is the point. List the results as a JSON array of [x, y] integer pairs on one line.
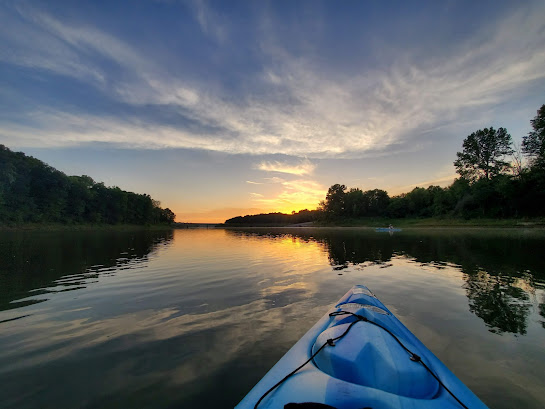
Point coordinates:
[[304, 111], [211, 24], [304, 167], [442, 181], [274, 180], [443, 177]]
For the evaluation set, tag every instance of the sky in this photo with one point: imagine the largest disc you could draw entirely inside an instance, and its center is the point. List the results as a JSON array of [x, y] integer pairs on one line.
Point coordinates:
[[225, 108]]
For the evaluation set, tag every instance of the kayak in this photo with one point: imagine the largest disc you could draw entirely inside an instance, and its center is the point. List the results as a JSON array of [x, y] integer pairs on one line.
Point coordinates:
[[380, 229], [359, 355]]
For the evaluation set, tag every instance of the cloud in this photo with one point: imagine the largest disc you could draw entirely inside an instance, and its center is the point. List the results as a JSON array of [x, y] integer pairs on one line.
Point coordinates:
[[274, 180], [442, 181], [67, 49], [296, 106], [28, 42], [442, 177], [211, 24], [305, 167]]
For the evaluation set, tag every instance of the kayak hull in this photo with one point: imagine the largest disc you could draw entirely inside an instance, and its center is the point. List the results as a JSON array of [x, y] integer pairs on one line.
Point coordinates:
[[367, 367]]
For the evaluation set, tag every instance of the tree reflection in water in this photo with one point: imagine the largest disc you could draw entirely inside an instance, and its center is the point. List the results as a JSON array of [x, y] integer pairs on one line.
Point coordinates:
[[35, 264], [501, 267], [501, 305]]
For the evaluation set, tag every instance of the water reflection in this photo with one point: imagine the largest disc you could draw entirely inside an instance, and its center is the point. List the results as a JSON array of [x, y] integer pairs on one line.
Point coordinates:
[[35, 265], [196, 318], [542, 311], [502, 268], [501, 305]]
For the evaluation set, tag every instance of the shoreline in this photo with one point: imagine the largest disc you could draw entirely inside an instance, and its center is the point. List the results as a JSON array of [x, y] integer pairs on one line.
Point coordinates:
[[538, 223], [81, 227], [429, 223]]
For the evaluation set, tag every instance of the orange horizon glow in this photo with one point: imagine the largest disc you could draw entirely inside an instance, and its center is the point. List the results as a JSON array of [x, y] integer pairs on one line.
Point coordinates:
[[221, 215]]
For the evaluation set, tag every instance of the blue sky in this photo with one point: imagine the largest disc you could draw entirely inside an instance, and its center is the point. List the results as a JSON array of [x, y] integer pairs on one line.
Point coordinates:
[[224, 108]]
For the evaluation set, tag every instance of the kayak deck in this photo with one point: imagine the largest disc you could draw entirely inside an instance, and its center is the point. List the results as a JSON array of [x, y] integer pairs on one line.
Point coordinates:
[[362, 356]]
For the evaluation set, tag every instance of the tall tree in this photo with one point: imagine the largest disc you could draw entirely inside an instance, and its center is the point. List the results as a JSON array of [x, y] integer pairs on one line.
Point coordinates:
[[533, 144], [335, 201], [377, 201], [484, 153]]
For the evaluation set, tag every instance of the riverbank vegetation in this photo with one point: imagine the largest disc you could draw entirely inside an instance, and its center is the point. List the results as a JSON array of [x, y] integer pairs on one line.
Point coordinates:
[[33, 193]]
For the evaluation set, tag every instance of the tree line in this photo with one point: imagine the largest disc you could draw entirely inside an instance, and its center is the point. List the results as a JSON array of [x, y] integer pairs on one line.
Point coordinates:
[[497, 180], [34, 192], [274, 219]]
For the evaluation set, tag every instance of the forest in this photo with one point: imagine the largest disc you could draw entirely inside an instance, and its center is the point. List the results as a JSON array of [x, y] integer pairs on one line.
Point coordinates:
[[275, 219], [34, 192], [497, 180]]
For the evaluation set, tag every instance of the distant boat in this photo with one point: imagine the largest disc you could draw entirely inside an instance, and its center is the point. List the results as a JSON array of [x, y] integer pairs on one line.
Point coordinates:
[[380, 229]]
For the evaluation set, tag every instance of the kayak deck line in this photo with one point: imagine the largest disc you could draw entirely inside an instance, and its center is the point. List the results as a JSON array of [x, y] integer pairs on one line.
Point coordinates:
[[366, 369], [331, 342]]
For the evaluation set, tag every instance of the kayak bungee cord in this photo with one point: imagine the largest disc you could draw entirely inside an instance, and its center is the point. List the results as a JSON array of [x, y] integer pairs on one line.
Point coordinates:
[[331, 342], [413, 356]]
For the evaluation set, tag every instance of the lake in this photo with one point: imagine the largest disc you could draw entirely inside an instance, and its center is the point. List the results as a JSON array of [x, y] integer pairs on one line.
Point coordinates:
[[194, 318]]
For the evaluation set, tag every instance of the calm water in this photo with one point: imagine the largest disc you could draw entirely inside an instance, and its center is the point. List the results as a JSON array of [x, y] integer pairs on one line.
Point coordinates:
[[194, 318]]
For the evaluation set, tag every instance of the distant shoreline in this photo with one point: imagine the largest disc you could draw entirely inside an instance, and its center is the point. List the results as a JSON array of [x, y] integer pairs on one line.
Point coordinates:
[[81, 227], [416, 223], [348, 223]]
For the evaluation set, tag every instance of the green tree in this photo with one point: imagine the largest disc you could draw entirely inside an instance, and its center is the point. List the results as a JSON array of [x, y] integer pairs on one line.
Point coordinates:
[[533, 144], [334, 204], [355, 203], [167, 216], [419, 202], [484, 154], [377, 201], [398, 207]]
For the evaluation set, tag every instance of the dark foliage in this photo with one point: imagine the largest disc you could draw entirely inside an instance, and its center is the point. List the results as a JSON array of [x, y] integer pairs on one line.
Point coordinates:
[[274, 219], [484, 154], [533, 144], [34, 192], [502, 196]]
